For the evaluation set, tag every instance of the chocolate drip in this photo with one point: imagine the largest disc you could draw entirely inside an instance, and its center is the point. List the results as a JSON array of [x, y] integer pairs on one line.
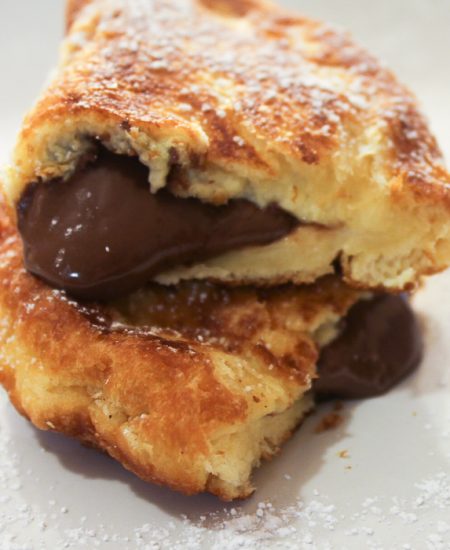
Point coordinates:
[[379, 345], [102, 232]]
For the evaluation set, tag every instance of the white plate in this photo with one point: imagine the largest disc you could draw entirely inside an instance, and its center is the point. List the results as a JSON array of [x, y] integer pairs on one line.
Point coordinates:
[[393, 489]]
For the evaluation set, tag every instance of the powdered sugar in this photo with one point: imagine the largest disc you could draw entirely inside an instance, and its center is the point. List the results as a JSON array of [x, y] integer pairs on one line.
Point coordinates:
[[319, 520]]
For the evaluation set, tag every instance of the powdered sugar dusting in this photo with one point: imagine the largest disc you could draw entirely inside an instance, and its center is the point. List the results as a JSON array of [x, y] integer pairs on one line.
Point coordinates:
[[300, 84], [318, 521]]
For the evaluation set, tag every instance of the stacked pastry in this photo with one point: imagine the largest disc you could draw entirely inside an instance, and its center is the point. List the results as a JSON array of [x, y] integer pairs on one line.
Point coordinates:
[[214, 210]]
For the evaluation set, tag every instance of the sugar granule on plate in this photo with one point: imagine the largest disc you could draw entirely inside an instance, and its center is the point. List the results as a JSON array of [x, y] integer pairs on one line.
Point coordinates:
[[309, 523]]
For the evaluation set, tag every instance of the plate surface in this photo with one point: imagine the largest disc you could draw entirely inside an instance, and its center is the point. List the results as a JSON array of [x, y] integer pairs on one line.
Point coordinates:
[[379, 480]]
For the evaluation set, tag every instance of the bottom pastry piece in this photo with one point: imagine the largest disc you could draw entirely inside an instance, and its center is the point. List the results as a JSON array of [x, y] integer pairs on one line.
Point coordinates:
[[188, 386]]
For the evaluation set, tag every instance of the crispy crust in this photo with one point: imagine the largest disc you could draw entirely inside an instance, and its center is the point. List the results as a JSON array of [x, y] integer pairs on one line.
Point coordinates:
[[202, 384], [251, 101]]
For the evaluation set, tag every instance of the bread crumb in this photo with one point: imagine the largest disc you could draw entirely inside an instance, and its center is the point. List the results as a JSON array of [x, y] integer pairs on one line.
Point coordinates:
[[329, 422]]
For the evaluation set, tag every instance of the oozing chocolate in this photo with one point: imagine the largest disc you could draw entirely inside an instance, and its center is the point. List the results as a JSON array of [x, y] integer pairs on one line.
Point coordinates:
[[102, 233], [380, 344]]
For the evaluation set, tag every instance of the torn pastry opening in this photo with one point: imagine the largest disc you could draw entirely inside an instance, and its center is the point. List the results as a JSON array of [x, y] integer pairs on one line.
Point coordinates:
[[100, 232]]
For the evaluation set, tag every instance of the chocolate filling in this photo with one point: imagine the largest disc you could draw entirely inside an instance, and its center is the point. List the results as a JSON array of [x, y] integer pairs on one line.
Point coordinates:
[[102, 232], [380, 343]]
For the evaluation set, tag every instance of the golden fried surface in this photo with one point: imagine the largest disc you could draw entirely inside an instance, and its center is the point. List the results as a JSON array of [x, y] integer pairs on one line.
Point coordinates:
[[188, 387], [240, 99]]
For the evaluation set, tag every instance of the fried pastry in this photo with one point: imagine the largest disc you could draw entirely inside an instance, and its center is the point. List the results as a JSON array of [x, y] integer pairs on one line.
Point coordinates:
[[269, 147], [188, 386], [192, 386], [209, 194]]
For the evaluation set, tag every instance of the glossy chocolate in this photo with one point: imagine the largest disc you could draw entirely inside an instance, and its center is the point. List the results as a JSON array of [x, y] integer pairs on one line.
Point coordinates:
[[102, 233], [381, 342]]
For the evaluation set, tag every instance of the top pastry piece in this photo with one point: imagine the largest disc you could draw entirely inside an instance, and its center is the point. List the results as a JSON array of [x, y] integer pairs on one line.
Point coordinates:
[[237, 106]]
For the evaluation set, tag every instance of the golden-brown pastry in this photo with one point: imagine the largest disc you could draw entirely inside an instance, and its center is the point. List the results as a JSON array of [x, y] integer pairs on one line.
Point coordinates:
[[188, 386], [242, 101]]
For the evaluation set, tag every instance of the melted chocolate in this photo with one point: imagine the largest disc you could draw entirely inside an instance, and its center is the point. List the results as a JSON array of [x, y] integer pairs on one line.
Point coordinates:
[[102, 233], [379, 345]]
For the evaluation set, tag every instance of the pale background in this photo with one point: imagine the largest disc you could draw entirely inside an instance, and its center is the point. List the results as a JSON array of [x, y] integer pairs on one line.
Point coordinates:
[[394, 490]]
